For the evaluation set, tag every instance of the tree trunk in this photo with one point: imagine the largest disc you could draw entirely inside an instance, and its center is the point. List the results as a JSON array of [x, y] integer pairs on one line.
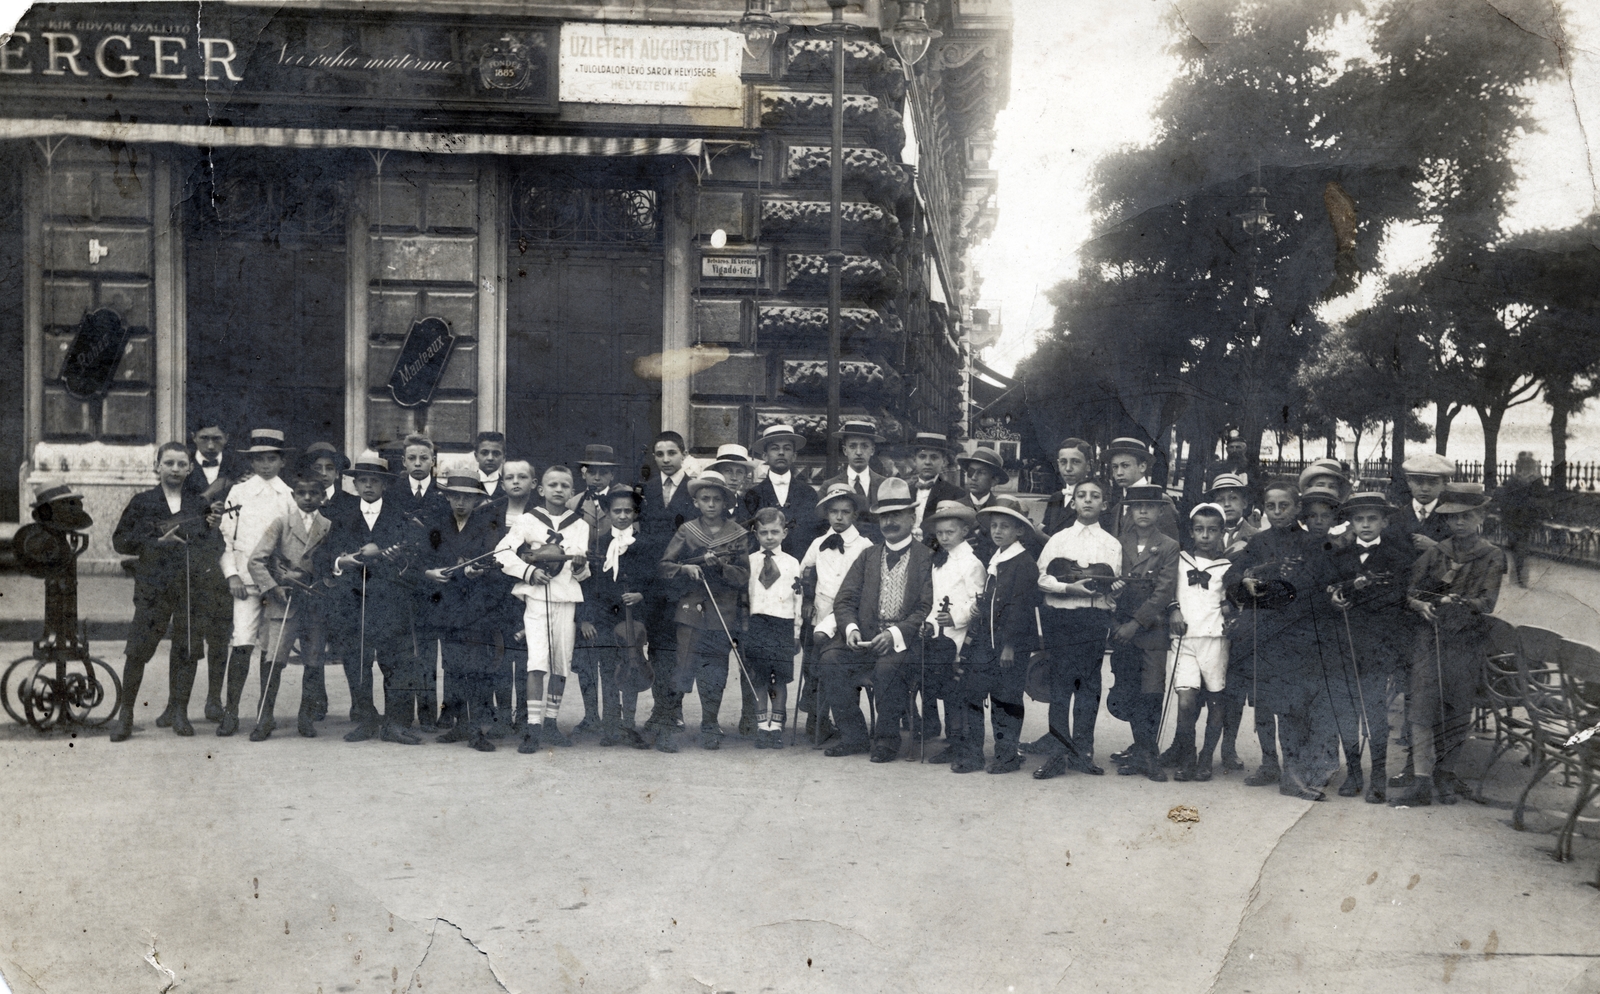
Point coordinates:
[[1397, 442], [1560, 410], [1442, 418], [1490, 418]]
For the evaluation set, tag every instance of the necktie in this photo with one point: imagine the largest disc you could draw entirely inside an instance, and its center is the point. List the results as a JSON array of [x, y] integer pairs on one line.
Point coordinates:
[[859, 488], [1200, 578], [891, 557], [834, 542], [769, 570], [668, 488], [419, 488], [940, 558]]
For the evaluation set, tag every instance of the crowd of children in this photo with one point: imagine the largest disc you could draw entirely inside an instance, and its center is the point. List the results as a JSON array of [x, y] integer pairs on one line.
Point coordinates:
[[1323, 610]]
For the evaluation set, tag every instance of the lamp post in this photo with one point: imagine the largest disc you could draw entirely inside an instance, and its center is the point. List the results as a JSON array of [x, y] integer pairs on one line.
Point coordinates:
[[760, 29]]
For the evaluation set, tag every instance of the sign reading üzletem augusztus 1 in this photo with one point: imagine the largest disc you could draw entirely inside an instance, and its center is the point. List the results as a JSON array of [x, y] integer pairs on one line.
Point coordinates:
[[651, 64]]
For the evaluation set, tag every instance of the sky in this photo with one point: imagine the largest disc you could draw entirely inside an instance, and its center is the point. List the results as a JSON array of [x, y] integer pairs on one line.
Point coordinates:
[[1086, 77]]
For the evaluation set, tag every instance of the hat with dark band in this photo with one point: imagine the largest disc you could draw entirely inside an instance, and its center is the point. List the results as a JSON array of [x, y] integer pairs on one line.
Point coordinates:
[[930, 440], [1458, 498], [50, 495], [1129, 446], [621, 490], [710, 478], [463, 485], [986, 457], [732, 454], [893, 495], [952, 510], [1011, 509], [780, 433], [861, 429], [316, 450], [1228, 481], [1147, 493], [835, 492], [1366, 500], [1322, 467], [369, 463], [598, 455], [1320, 494], [264, 440]]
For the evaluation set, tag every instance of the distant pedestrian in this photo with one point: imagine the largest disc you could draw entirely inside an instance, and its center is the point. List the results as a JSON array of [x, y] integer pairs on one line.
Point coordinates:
[[1522, 501]]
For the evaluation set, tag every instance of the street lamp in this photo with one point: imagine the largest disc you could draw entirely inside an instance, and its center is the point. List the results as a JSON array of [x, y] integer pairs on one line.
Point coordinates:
[[760, 29], [911, 35], [837, 29]]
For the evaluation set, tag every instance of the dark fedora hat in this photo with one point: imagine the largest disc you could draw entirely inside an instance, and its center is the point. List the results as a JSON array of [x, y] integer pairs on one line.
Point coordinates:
[[986, 457], [598, 455], [463, 485]]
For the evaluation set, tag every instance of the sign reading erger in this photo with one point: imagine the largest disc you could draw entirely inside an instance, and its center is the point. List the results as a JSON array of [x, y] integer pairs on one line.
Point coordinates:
[[651, 64]]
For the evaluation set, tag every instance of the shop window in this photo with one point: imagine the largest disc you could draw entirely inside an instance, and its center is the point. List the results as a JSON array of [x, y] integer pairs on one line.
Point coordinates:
[[587, 215], [234, 195]]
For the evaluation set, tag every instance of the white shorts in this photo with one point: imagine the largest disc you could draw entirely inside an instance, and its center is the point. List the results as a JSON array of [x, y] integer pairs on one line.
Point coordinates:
[[550, 636], [1199, 658], [246, 620]]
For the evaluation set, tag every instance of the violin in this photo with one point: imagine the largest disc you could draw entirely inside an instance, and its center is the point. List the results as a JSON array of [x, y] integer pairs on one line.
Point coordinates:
[[1274, 589], [1098, 576], [1375, 580], [632, 636], [462, 565], [183, 520]]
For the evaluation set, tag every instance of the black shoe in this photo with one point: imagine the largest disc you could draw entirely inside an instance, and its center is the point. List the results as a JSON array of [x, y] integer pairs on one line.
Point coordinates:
[[1037, 747], [747, 728], [555, 736], [667, 740], [214, 709], [1231, 763], [306, 725], [1418, 794], [319, 712], [262, 731], [610, 738], [498, 731], [943, 756], [481, 742], [885, 753], [392, 732], [1293, 788], [1404, 778], [1052, 768], [847, 749], [1202, 771], [1170, 758], [631, 736], [426, 725], [1375, 791], [229, 724], [164, 719], [1354, 784], [1007, 764], [1444, 788], [711, 738], [121, 732], [776, 742], [181, 726], [1082, 765], [361, 732], [967, 764], [586, 726], [1267, 774], [457, 733], [530, 740], [1154, 773], [1124, 756]]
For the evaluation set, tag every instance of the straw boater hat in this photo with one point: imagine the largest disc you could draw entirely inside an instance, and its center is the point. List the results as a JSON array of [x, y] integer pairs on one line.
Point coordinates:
[[463, 485], [987, 457], [1131, 446], [1322, 467], [953, 510], [598, 455], [1366, 500], [264, 440], [732, 454], [1011, 509], [930, 440], [1429, 464], [1228, 481], [369, 463], [710, 478], [835, 492], [1459, 498], [316, 450], [860, 429], [1146, 494], [893, 495], [1325, 495], [780, 433]]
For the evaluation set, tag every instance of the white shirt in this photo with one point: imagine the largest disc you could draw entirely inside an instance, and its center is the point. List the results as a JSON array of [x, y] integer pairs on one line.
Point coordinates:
[[670, 485], [980, 503], [780, 486], [921, 494], [174, 501], [862, 479], [961, 579], [210, 472], [490, 481], [831, 566], [533, 529], [1366, 548], [370, 511], [1423, 510], [419, 488], [780, 600], [261, 502], [1201, 606], [1087, 544]]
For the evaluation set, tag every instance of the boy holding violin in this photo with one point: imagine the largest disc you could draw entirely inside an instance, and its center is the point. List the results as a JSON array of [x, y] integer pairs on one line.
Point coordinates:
[[611, 632], [458, 610], [174, 533], [1077, 567]]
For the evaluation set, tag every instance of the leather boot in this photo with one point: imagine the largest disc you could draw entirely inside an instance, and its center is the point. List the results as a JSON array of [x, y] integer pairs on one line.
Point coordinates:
[[1267, 773], [122, 731], [238, 674]]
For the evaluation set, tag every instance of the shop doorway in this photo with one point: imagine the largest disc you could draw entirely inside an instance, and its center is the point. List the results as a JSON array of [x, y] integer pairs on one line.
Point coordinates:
[[265, 277], [584, 304]]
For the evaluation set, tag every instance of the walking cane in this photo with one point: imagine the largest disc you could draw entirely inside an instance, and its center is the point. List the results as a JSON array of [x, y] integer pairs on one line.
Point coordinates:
[[1364, 727], [272, 664], [1166, 700], [737, 655]]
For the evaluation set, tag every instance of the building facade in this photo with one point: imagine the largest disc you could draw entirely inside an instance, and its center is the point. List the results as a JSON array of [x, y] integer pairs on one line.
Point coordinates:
[[574, 223]]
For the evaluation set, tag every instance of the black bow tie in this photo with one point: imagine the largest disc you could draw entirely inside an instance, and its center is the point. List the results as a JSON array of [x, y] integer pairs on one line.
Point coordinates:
[[208, 463], [891, 557], [925, 486], [1200, 578], [941, 557], [834, 541]]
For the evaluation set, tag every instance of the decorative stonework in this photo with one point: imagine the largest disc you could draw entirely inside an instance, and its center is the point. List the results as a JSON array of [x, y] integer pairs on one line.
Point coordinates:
[[800, 109], [811, 218], [884, 180], [815, 55], [812, 322], [862, 275], [808, 377], [813, 427]]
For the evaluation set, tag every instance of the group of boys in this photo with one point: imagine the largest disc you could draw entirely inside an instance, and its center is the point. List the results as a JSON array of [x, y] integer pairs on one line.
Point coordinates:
[[914, 592]]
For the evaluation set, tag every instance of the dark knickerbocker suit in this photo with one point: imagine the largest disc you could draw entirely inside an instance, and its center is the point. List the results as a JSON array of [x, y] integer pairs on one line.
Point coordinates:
[[862, 602], [379, 623]]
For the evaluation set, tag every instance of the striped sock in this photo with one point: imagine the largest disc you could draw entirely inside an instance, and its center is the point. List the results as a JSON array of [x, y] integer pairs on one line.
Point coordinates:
[[536, 712]]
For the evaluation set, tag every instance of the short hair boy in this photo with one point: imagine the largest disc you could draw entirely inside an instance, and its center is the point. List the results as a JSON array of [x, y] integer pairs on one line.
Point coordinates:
[[773, 625]]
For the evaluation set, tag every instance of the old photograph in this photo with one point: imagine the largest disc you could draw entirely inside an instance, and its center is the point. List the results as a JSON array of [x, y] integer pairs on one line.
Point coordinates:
[[800, 496]]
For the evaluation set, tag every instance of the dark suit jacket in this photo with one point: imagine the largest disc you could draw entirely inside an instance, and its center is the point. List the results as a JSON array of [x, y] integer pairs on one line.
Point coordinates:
[[389, 595], [800, 510], [1158, 568], [461, 607], [942, 490], [433, 507], [658, 522], [1404, 524], [857, 603], [161, 566], [602, 594], [1057, 515], [234, 466], [1005, 612]]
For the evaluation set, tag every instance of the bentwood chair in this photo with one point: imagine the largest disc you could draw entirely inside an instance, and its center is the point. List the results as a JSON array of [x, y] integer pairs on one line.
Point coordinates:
[[1503, 697], [1544, 702], [1580, 678]]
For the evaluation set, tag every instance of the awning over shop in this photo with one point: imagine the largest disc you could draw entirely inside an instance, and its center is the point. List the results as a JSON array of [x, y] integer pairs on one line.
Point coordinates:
[[437, 142]]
